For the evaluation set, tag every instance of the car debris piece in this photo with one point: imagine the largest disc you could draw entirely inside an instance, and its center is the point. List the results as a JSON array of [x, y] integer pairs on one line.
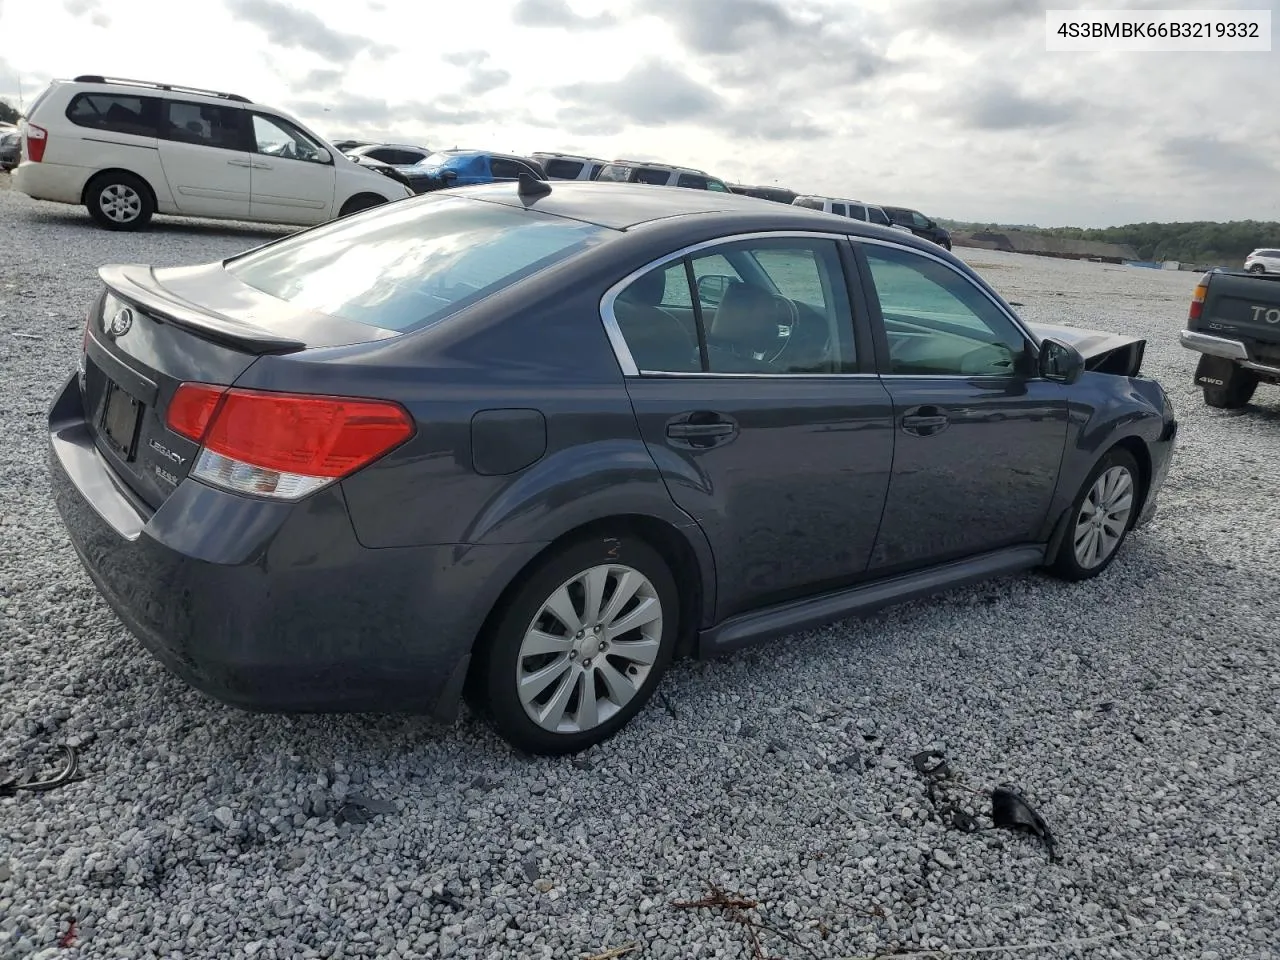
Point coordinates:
[[358, 809], [932, 764], [1009, 809], [71, 766]]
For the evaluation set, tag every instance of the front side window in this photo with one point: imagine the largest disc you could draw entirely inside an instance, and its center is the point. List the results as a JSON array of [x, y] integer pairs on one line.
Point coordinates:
[[717, 186], [938, 322], [692, 181], [118, 113], [199, 123], [650, 175], [408, 265], [276, 138], [776, 306], [563, 169], [920, 220], [615, 173], [877, 216]]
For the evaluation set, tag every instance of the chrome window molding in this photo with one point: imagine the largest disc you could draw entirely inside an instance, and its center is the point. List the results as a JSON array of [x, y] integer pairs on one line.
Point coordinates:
[[619, 343]]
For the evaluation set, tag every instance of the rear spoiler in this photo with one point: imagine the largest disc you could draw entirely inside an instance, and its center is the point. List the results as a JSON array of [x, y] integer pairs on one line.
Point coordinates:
[[137, 283]]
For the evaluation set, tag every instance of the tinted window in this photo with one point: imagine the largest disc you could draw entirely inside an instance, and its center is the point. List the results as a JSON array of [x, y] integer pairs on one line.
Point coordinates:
[[563, 169], [877, 216], [595, 170], [277, 138], [780, 308], [690, 180], [408, 265], [394, 156], [839, 209], [857, 212], [202, 124], [115, 112], [658, 178], [504, 169], [615, 172], [920, 220], [939, 322], [808, 203]]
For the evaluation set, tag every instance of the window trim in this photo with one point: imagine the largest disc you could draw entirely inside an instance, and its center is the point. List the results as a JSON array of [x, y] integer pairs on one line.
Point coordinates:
[[877, 318], [622, 353]]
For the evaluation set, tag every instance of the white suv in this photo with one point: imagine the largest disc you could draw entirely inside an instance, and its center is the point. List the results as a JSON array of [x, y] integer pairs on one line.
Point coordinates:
[[566, 166], [659, 174], [867, 212], [127, 149], [1263, 261]]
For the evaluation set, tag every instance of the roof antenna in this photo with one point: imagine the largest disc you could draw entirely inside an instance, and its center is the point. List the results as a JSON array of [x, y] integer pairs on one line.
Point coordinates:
[[530, 187]]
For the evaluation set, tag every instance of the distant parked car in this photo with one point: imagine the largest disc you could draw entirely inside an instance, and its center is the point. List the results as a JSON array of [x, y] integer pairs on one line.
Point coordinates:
[[855, 209], [461, 168], [920, 225], [10, 146], [565, 166], [345, 145], [776, 194], [127, 149], [660, 174], [329, 474], [395, 154], [1263, 260]]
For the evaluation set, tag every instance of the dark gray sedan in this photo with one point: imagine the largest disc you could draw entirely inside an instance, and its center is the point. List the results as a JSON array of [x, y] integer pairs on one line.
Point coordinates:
[[526, 443]]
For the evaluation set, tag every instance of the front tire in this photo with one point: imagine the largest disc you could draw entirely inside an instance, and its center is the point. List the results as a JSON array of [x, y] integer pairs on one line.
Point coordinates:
[[580, 646], [1100, 518], [1235, 392], [119, 201]]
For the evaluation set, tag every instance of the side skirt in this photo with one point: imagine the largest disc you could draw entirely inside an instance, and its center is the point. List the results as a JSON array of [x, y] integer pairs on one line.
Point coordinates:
[[786, 618]]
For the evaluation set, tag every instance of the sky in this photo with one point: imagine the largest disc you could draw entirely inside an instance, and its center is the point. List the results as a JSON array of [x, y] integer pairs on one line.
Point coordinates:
[[953, 107]]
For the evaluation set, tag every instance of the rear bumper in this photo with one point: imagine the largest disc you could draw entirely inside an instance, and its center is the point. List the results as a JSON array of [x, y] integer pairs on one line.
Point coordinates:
[[58, 182], [1227, 349], [270, 606]]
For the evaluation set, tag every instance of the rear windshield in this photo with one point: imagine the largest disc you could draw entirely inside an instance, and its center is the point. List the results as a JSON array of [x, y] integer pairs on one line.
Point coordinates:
[[412, 263]]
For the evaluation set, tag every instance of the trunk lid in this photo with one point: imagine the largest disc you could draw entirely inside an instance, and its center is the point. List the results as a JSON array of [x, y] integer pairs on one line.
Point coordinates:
[[152, 330]]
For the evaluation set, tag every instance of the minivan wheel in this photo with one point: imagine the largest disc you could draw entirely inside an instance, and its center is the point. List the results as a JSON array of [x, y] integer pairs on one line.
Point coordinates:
[[1101, 517], [580, 647], [119, 201]]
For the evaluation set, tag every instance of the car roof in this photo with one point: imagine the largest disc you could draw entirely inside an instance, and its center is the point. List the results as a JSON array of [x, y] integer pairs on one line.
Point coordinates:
[[624, 206]]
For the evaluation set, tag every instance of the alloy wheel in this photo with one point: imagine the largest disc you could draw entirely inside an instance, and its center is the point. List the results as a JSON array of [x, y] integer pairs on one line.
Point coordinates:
[[589, 649], [120, 203], [1103, 517]]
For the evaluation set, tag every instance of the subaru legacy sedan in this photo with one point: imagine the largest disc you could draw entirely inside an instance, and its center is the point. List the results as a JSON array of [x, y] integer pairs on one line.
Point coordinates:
[[524, 443]]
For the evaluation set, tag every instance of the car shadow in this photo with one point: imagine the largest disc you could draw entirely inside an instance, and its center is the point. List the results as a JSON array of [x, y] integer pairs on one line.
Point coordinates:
[[179, 225]]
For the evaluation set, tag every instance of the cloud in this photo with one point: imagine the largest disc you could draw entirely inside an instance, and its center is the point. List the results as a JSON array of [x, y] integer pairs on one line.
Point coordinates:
[[480, 79], [322, 79], [93, 8], [1214, 157], [654, 93], [558, 13], [972, 18], [287, 26], [466, 58], [380, 117], [999, 106]]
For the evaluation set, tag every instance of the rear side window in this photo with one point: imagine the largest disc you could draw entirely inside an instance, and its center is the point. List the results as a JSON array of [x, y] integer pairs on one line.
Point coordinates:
[[205, 125], [689, 180], [409, 265], [857, 212], [615, 173], [563, 169], [658, 178], [839, 210], [118, 113]]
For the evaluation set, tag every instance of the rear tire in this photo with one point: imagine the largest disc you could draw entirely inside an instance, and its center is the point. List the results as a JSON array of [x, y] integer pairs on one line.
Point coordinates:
[[361, 201], [531, 642], [1258, 268], [1235, 393], [1100, 518], [119, 201]]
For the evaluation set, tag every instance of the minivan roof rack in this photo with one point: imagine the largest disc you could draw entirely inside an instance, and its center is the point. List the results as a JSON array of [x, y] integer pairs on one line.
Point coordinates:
[[172, 87]]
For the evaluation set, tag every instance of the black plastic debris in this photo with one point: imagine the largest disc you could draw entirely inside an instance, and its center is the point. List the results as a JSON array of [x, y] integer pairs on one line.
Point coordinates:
[[931, 764], [1010, 810], [358, 809], [71, 766], [964, 822]]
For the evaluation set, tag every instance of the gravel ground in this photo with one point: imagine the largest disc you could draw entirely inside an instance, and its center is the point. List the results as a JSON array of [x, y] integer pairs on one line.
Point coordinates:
[[1136, 713]]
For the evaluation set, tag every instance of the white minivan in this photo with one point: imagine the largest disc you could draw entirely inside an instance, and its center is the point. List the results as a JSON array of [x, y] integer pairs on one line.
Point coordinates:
[[127, 149], [867, 212]]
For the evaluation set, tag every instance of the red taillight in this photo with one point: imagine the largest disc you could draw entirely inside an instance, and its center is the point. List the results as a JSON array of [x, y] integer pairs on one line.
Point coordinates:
[[37, 140], [283, 444], [1197, 298]]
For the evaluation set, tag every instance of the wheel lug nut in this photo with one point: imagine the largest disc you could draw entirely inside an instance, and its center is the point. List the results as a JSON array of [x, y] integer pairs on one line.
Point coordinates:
[[596, 628], [579, 635], [586, 663], [573, 654], [603, 644]]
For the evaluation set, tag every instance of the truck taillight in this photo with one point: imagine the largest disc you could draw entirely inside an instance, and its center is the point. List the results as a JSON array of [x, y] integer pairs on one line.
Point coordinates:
[[37, 140], [1197, 298], [282, 445]]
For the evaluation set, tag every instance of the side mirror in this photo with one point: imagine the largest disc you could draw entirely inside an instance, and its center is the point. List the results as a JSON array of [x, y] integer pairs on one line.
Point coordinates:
[[711, 288], [326, 157], [1060, 361], [448, 176]]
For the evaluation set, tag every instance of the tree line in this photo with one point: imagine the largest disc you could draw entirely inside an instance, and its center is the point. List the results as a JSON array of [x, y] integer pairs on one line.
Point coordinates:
[[1201, 241]]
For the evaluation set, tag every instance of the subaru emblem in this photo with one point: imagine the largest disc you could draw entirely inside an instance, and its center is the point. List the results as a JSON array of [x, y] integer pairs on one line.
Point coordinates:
[[119, 324]]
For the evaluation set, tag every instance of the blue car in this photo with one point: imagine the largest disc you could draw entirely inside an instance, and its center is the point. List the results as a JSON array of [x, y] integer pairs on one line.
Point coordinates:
[[461, 168]]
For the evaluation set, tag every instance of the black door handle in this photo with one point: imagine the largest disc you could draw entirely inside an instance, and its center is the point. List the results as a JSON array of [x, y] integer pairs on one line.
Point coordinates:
[[926, 421], [701, 429]]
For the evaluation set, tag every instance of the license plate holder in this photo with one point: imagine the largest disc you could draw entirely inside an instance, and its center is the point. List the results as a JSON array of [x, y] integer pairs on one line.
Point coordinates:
[[121, 415]]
